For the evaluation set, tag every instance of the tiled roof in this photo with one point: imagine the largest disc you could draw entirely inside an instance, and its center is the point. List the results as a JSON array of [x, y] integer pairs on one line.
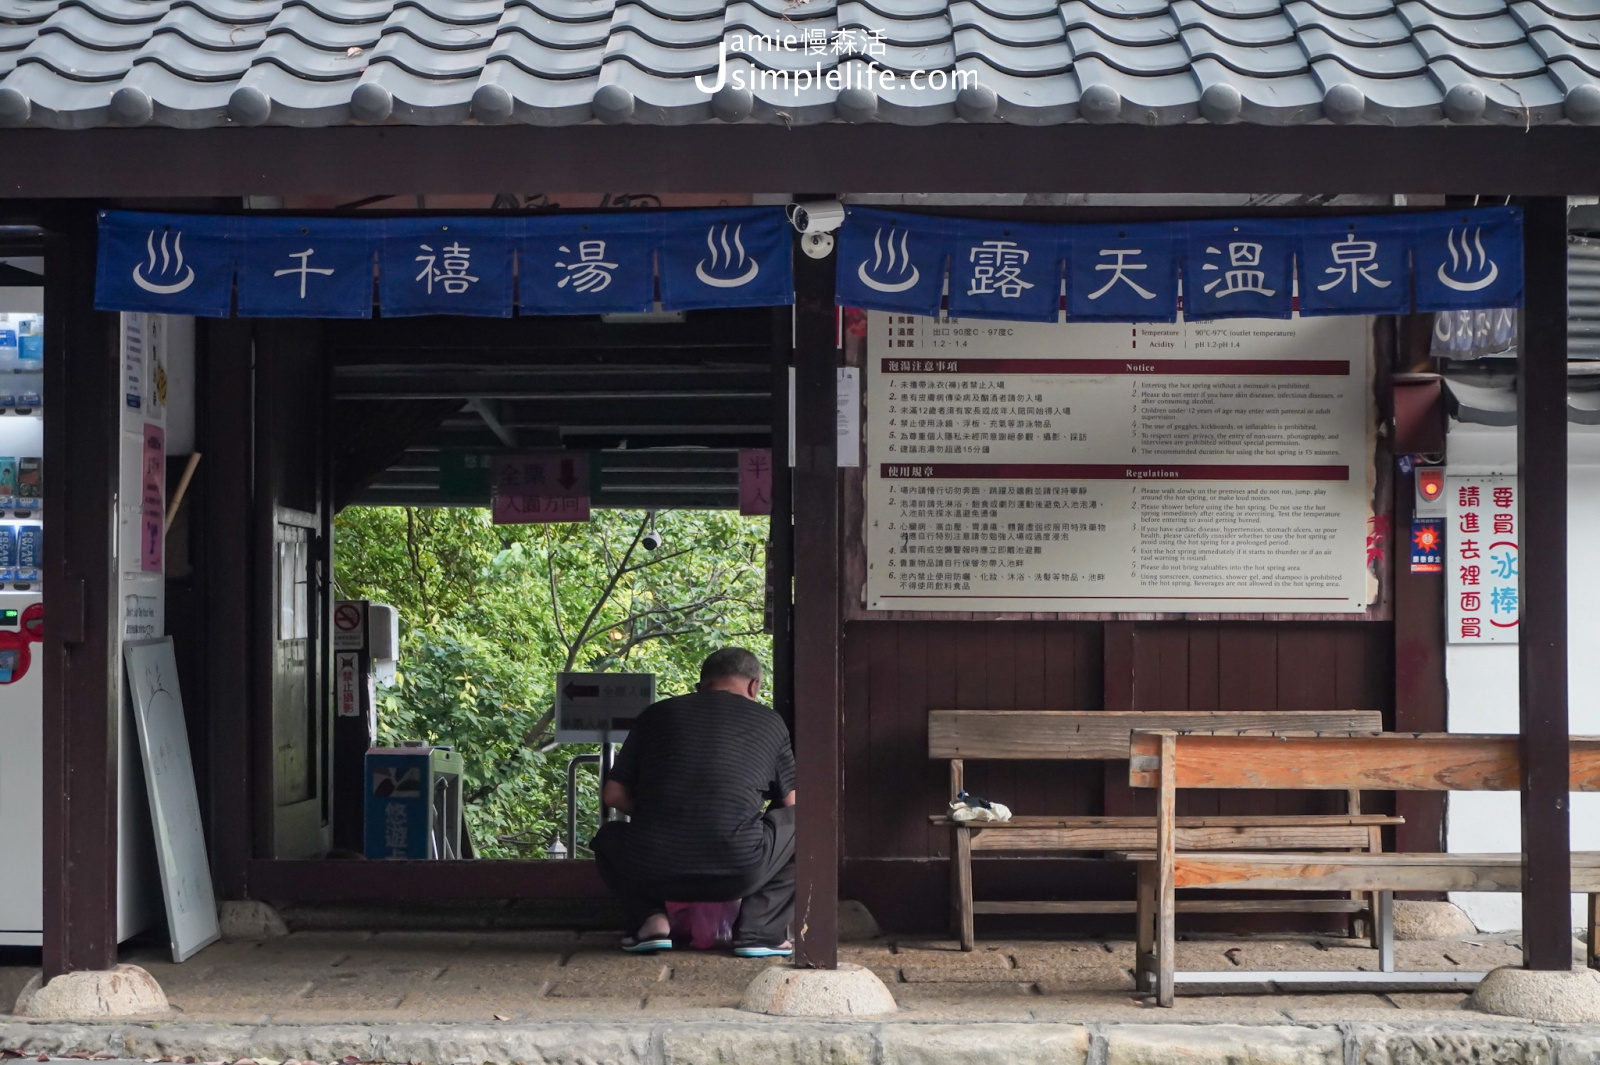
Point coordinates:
[[74, 64]]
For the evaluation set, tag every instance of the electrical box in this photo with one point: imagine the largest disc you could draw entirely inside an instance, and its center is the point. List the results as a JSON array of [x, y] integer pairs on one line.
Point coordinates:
[[413, 802]]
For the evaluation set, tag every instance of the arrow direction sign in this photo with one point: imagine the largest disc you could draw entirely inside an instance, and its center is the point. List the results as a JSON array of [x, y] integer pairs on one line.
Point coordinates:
[[538, 488], [597, 707]]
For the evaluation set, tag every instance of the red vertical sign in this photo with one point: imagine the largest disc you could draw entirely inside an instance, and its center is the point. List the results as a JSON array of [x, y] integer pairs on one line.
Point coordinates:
[[755, 480], [153, 501]]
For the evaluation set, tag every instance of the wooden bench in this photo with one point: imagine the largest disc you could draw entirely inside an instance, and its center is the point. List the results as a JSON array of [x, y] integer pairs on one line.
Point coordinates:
[[1391, 762], [1052, 735]]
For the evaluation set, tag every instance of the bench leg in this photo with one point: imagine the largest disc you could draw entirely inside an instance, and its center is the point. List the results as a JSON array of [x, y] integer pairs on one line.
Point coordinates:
[[961, 888], [1592, 938], [1385, 921], [1144, 928]]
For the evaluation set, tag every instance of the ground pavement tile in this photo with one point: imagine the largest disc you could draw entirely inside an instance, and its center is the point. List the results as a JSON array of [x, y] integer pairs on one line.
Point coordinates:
[[363, 990], [1297, 956], [1456, 954], [1068, 981], [490, 980], [1430, 1001], [633, 985], [1056, 957]]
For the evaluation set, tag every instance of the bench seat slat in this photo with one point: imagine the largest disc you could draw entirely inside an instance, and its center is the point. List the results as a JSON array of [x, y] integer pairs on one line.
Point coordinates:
[[1261, 837], [1257, 871], [1102, 735], [1208, 821], [1184, 906]]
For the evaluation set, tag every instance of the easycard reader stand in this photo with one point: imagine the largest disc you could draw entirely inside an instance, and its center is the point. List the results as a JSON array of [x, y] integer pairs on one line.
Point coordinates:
[[366, 643]]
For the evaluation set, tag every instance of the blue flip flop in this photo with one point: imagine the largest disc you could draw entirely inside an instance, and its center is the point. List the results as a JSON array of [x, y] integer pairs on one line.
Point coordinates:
[[756, 951], [646, 946]]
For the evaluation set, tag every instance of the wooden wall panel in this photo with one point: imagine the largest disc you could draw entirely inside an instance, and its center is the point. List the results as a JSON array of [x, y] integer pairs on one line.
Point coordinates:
[[897, 671]]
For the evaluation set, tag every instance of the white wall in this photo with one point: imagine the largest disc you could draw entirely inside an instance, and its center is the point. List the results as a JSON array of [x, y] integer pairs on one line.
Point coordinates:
[[1482, 680]]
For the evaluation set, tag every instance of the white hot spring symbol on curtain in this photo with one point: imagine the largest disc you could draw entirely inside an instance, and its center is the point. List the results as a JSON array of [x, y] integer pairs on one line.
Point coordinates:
[[1468, 260], [726, 258], [893, 261], [164, 271]]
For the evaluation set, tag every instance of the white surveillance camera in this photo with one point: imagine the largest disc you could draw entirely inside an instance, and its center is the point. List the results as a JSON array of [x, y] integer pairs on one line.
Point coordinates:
[[817, 216], [651, 541], [817, 245]]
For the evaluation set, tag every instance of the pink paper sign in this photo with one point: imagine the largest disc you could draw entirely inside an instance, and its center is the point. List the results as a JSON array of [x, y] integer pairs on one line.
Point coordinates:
[[531, 489], [153, 500], [755, 480]]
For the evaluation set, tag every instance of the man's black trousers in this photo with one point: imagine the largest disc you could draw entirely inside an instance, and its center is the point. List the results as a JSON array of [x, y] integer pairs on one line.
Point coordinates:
[[766, 889]]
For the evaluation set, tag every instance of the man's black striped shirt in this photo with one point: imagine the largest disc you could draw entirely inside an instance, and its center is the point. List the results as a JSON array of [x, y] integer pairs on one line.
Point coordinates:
[[701, 768]]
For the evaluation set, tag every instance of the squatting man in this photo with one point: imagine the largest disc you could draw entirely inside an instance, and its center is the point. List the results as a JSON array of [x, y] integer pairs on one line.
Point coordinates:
[[695, 777]]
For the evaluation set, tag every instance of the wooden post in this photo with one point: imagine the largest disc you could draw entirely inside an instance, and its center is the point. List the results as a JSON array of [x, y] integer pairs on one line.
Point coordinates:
[[1542, 484], [82, 701], [780, 566], [816, 615], [1167, 905], [226, 425]]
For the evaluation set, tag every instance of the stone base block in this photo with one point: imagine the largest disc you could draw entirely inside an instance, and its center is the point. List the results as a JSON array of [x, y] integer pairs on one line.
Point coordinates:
[[1431, 920], [1561, 997], [249, 919], [126, 991], [848, 991], [856, 923]]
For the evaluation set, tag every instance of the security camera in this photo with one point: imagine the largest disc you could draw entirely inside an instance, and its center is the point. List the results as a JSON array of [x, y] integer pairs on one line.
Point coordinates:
[[817, 216], [651, 541]]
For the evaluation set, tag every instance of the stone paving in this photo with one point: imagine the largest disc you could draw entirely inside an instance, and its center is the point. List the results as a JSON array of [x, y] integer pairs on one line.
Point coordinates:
[[315, 976], [569, 998]]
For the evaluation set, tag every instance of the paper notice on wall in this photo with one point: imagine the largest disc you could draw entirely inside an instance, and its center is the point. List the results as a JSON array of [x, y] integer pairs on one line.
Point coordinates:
[[1211, 467], [134, 338], [142, 617], [1481, 559], [153, 499], [847, 414]]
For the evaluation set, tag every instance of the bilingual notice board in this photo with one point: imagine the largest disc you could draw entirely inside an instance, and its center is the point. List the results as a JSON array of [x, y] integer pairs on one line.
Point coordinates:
[[1217, 467]]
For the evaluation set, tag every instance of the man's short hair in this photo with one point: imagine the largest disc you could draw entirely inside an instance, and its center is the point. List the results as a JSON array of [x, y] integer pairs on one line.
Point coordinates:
[[730, 662]]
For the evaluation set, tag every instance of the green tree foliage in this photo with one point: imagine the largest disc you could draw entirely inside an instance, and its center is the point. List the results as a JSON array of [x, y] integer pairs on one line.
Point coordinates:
[[490, 614]]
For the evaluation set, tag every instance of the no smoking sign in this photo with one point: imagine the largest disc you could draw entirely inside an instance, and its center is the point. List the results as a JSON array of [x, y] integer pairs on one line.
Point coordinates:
[[349, 625]]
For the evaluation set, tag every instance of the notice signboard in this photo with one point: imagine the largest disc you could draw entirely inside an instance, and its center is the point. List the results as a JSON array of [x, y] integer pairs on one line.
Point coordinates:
[[535, 489], [1482, 557], [1210, 467], [600, 707]]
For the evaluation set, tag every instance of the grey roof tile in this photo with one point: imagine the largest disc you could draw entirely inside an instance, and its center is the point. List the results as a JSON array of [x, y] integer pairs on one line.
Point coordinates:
[[1467, 9], [1159, 28], [1053, 57], [200, 28], [191, 61], [1554, 47], [1270, 61], [73, 64], [75, 61], [1250, 32], [82, 26], [1507, 61], [1488, 32], [1021, 33]]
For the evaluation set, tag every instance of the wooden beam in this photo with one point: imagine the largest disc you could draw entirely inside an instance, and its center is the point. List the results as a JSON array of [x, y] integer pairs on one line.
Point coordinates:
[[1031, 735], [82, 696], [944, 157], [330, 880], [816, 615], [1389, 762], [1542, 583], [780, 529]]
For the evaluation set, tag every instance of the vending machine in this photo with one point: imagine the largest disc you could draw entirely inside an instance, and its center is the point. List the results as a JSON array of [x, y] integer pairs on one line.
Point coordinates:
[[21, 615], [23, 603]]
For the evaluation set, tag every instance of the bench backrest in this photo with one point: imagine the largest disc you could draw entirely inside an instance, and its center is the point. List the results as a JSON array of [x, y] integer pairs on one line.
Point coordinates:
[[1050, 735], [1386, 762]]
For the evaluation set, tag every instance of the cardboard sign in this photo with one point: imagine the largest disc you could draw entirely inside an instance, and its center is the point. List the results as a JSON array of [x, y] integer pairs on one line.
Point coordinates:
[[755, 480], [600, 707], [534, 489], [1483, 593]]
